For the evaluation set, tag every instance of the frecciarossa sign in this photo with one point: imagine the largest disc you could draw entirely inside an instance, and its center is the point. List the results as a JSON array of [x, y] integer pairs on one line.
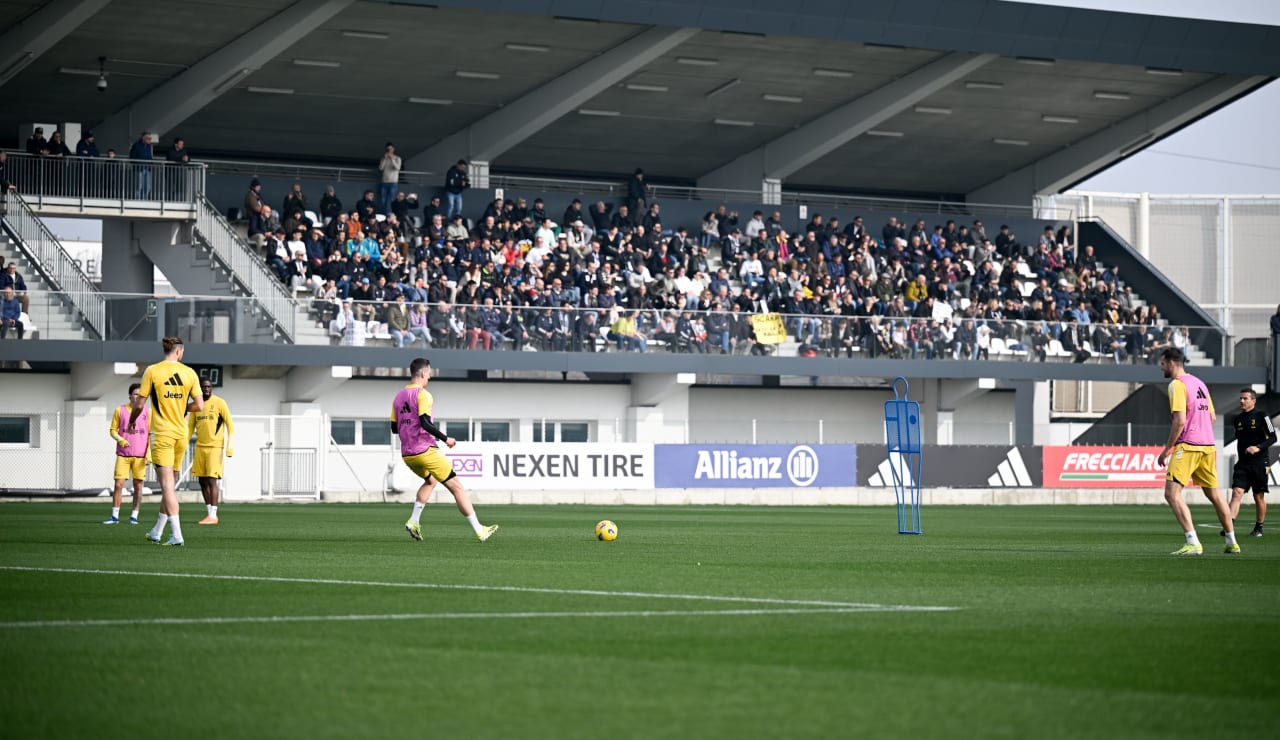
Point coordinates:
[[1102, 467]]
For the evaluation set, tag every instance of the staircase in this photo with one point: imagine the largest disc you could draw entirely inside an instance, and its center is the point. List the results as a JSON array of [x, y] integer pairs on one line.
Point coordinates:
[[222, 263], [64, 303], [1207, 335], [199, 273]]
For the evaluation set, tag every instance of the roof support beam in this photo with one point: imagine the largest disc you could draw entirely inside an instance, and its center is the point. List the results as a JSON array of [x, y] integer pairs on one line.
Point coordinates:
[[37, 33], [178, 99], [500, 131], [1090, 155], [796, 149]]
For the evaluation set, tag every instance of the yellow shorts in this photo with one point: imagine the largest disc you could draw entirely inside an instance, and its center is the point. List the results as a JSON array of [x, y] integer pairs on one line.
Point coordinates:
[[1193, 465], [207, 462], [430, 464], [167, 452], [131, 467]]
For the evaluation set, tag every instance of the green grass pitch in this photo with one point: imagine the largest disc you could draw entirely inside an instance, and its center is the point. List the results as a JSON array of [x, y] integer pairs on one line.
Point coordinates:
[[1063, 622]]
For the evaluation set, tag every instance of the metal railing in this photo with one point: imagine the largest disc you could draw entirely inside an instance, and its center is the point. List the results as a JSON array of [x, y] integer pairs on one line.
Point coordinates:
[[608, 188], [58, 269], [246, 267], [233, 319], [100, 182]]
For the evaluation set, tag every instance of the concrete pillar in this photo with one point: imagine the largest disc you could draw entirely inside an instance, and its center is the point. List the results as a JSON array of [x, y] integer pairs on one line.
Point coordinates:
[[87, 452], [126, 270], [1024, 411], [1144, 226]]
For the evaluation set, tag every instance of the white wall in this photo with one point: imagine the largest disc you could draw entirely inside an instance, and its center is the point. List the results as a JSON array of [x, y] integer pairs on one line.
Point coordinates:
[[42, 397], [984, 419], [725, 414], [72, 449]]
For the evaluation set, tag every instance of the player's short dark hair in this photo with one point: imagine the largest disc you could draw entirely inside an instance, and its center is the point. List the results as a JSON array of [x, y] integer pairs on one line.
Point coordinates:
[[133, 387], [1252, 393], [419, 365], [1173, 354], [170, 344]]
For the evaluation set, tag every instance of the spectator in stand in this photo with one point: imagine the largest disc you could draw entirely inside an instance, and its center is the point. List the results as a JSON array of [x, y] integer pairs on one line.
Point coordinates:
[[455, 183], [253, 200], [402, 208], [573, 213], [457, 231], [637, 195], [142, 151], [367, 209], [1006, 242], [87, 146], [10, 314], [599, 216], [57, 147], [295, 201], [1088, 261], [418, 328], [10, 279], [625, 334], [178, 153], [261, 226], [5, 184], [37, 144], [398, 320], [330, 204], [389, 171], [1075, 340]]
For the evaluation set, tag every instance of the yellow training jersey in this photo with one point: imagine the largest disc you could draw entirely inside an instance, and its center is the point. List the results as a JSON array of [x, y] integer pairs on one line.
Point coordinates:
[[211, 425], [168, 384]]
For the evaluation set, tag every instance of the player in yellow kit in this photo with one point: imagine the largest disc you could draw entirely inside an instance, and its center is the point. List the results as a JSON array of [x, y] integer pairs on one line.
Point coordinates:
[[170, 387], [213, 429], [132, 434]]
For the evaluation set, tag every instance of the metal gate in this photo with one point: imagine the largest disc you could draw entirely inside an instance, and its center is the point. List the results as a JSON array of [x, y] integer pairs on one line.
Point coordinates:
[[290, 472]]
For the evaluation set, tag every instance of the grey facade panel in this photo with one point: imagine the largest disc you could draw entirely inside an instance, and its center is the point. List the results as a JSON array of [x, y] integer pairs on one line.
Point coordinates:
[[65, 351]]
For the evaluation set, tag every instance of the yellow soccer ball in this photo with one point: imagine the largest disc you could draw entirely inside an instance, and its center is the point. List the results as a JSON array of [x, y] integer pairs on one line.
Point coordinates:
[[606, 531]]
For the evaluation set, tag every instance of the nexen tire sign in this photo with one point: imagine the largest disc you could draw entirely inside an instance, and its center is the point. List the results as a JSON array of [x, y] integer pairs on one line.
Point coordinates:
[[754, 466], [1103, 467], [585, 466]]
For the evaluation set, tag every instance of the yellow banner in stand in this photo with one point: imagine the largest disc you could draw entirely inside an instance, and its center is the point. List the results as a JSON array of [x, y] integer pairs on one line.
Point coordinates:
[[768, 328]]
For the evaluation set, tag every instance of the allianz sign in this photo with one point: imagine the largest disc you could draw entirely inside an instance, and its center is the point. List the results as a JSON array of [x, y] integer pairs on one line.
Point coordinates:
[[754, 466]]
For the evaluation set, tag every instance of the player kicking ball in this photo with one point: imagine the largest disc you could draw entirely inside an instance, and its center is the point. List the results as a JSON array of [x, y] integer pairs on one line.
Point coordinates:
[[416, 435]]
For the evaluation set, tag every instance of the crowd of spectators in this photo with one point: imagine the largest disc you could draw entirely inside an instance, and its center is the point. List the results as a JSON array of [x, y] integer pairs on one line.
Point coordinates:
[[615, 276], [608, 275], [109, 176]]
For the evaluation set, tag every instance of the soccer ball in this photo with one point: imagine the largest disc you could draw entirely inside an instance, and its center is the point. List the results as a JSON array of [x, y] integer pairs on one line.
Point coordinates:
[[607, 531]]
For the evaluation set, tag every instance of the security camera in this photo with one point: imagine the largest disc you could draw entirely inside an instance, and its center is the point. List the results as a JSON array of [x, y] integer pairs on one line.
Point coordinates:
[[102, 83]]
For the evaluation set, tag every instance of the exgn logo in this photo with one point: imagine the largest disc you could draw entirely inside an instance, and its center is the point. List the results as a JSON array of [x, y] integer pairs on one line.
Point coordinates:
[[467, 465], [802, 465]]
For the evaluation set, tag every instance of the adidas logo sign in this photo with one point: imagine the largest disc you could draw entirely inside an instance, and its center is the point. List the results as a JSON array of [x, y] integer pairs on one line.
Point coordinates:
[[174, 380], [884, 477], [1011, 472]]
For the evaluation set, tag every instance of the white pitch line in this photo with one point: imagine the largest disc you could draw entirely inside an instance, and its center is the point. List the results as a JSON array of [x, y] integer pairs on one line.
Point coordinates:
[[475, 587], [430, 616]]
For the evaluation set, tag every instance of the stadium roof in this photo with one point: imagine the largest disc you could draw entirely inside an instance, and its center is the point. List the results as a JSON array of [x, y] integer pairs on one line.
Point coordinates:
[[964, 97]]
